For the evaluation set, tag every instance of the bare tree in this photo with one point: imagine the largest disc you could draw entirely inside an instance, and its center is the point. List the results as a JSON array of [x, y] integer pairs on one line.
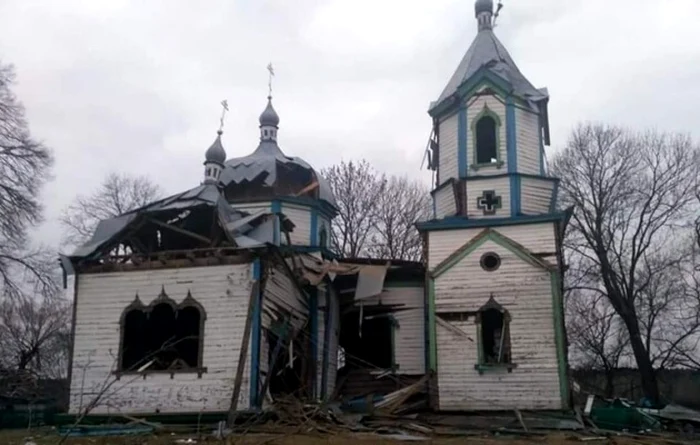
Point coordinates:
[[33, 333], [24, 167], [119, 193], [598, 339], [356, 186], [632, 193], [402, 204]]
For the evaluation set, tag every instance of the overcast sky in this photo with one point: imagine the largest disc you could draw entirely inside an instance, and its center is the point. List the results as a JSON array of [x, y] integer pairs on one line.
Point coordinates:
[[135, 86]]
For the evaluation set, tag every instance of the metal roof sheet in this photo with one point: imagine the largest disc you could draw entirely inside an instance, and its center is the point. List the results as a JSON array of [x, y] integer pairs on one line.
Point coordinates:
[[487, 51], [205, 194], [264, 162]]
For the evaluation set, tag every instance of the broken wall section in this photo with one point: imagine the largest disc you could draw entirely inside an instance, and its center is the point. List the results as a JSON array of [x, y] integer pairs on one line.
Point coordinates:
[[382, 338]]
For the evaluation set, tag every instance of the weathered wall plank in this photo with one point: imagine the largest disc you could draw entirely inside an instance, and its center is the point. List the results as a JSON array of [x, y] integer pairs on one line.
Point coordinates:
[[448, 149], [528, 141], [537, 238], [525, 291], [223, 291], [409, 337], [536, 195]]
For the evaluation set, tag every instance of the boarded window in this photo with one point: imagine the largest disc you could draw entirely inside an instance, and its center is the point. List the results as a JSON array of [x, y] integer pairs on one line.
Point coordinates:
[[486, 140], [495, 336], [162, 336]]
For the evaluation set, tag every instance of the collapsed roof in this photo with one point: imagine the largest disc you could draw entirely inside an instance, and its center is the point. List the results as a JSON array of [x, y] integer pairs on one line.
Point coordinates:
[[197, 218]]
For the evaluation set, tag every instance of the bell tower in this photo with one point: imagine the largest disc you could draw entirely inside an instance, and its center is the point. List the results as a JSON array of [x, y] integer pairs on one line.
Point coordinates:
[[490, 127], [493, 247]]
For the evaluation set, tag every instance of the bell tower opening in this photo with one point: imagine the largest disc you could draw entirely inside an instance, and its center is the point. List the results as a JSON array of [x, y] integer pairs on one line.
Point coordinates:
[[486, 140]]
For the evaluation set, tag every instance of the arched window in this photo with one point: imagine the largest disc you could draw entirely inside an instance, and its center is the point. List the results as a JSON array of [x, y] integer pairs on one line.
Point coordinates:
[[493, 322], [163, 336], [486, 140]]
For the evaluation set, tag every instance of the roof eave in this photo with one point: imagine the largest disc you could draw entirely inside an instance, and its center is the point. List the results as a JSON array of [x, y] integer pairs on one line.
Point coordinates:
[[482, 76]]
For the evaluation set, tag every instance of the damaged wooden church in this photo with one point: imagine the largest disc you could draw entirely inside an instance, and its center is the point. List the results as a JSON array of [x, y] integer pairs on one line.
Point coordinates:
[[230, 295]]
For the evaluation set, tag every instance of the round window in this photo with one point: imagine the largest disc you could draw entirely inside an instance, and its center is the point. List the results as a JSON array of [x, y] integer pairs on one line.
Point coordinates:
[[490, 261]]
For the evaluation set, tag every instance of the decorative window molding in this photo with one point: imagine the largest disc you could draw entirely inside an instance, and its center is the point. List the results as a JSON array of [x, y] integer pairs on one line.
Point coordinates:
[[163, 337], [486, 128], [493, 334]]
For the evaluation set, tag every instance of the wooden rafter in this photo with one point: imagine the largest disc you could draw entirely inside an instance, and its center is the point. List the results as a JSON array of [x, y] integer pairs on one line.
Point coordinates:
[[307, 189], [179, 230]]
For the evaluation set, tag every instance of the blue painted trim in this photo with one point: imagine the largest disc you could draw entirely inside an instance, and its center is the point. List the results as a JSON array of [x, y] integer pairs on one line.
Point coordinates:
[[314, 228], [276, 208], [462, 142], [482, 76], [511, 145], [255, 338], [515, 204], [326, 345], [464, 223], [555, 197], [313, 321]]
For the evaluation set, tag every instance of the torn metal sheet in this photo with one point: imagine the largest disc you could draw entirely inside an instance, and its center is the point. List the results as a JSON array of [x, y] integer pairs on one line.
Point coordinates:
[[370, 281], [266, 163], [104, 231], [242, 229]]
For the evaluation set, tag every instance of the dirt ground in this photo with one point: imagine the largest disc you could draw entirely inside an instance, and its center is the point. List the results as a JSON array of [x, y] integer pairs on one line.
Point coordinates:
[[50, 438]]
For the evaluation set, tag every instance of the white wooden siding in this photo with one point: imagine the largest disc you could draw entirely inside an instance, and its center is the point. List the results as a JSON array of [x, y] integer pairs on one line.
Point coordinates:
[[445, 202], [282, 297], [525, 291], [473, 110], [409, 337], [301, 217], [223, 291], [528, 142], [252, 207], [537, 238], [475, 189], [448, 164], [536, 195]]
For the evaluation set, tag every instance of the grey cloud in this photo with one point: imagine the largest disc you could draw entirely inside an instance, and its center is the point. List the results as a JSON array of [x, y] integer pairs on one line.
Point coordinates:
[[135, 86]]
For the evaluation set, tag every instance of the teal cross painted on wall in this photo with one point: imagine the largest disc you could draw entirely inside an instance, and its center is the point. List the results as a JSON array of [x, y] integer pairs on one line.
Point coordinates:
[[489, 202]]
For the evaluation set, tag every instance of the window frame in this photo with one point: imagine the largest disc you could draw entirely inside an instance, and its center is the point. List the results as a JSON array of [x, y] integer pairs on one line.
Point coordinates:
[[486, 112], [482, 366], [163, 298]]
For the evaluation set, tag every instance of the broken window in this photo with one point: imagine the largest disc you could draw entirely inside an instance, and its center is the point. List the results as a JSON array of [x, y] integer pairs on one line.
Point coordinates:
[[486, 140], [368, 342], [494, 333], [162, 336]]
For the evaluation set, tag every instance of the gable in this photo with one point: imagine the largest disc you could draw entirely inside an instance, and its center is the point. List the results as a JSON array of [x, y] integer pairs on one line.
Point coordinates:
[[492, 237]]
